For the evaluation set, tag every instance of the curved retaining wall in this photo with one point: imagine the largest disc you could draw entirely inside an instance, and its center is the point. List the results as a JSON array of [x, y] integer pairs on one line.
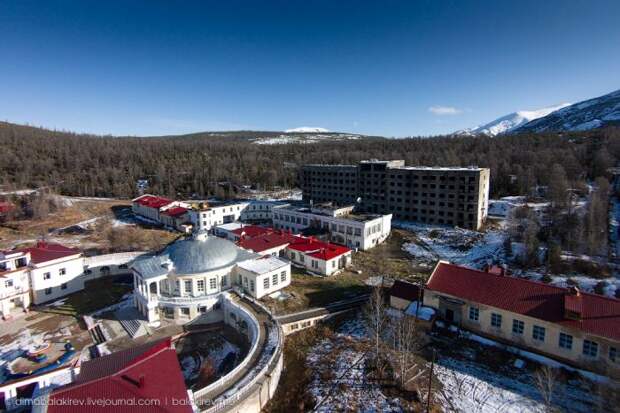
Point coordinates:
[[251, 392]]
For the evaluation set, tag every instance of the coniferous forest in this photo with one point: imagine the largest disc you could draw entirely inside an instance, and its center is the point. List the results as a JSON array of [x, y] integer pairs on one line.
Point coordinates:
[[206, 164]]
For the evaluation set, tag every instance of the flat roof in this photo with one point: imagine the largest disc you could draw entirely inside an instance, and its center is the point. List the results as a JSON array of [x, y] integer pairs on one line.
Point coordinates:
[[360, 217], [263, 265]]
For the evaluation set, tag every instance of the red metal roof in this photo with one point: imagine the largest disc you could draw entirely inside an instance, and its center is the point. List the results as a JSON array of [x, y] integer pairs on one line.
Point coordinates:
[[45, 251], [318, 249], [175, 211], [251, 231], [267, 241], [600, 315], [149, 372], [152, 201]]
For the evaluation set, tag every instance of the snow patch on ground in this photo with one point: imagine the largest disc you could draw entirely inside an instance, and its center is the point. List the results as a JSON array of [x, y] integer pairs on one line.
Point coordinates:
[[457, 245]]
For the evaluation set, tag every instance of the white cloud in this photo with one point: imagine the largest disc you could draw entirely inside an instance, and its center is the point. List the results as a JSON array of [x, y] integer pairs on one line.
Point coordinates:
[[444, 110]]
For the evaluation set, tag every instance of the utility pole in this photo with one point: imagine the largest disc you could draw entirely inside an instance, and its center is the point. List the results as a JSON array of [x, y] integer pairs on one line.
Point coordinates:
[[430, 382]]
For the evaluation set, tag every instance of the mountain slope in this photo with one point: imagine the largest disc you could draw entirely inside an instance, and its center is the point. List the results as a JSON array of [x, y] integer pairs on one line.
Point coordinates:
[[510, 122], [588, 114]]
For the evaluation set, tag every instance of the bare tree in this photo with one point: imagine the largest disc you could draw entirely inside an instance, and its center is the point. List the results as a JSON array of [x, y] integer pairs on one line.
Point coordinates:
[[546, 381], [405, 345], [376, 317]]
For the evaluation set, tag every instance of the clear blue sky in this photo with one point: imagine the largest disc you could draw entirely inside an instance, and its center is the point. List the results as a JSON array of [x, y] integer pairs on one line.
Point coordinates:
[[153, 67]]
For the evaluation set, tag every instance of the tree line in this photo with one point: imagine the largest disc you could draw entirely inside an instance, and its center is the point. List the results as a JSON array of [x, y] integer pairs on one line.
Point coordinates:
[[207, 164]]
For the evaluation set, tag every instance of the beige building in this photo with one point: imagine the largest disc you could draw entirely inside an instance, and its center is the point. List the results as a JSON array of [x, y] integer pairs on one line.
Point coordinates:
[[456, 196], [577, 328]]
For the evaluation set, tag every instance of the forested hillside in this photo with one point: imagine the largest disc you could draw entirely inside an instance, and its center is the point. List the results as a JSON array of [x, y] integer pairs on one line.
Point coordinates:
[[193, 164]]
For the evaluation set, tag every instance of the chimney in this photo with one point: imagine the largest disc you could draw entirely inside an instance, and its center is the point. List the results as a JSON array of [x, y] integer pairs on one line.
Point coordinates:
[[574, 291]]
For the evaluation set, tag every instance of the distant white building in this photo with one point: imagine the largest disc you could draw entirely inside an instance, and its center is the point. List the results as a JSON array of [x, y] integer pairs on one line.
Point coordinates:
[[361, 231], [261, 211], [186, 279], [204, 216]]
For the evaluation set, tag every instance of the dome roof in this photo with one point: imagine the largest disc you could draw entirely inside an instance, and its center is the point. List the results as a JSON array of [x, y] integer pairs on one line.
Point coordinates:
[[193, 256], [197, 255]]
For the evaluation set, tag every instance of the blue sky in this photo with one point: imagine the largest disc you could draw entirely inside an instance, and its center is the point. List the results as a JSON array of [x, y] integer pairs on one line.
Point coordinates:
[[164, 67]]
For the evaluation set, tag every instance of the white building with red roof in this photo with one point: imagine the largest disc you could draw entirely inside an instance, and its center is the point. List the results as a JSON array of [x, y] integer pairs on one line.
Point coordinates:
[[154, 207], [575, 327], [55, 271]]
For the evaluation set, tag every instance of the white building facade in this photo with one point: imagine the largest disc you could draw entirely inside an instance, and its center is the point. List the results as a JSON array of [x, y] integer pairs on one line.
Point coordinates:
[[14, 282], [208, 216], [359, 231], [185, 280]]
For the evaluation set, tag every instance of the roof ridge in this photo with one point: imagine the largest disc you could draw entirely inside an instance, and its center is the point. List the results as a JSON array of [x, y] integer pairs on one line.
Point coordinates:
[[540, 283]]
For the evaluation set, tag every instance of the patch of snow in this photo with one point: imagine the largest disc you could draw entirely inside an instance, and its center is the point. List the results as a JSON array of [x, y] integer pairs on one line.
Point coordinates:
[[306, 129], [423, 313]]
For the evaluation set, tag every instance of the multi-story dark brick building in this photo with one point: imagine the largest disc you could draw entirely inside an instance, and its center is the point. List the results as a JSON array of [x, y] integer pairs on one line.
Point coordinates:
[[435, 195]]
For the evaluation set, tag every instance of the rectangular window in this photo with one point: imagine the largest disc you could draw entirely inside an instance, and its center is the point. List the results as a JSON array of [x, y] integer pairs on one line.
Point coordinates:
[[283, 276], [274, 279], [200, 286], [474, 313], [47, 275], [315, 264], [8, 283], [213, 283], [48, 291], [518, 326], [224, 281], [613, 354], [496, 320], [188, 286], [266, 283], [566, 341], [538, 333], [62, 271], [63, 286], [251, 285], [301, 257], [184, 310], [590, 348]]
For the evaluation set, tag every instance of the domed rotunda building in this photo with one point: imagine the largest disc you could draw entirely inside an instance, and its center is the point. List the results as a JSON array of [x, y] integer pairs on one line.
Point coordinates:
[[186, 279]]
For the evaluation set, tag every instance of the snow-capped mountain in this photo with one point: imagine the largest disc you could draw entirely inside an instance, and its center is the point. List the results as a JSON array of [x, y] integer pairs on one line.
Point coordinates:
[[585, 115], [510, 122], [306, 129]]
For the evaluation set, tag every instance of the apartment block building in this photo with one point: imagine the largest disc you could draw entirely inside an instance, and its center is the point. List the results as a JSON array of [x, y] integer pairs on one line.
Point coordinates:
[[455, 196]]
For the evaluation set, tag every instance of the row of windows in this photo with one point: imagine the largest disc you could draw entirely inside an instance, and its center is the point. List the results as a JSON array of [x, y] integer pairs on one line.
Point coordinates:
[[48, 275], [48, 291], [200, 284], [274, 280], [565, 341]]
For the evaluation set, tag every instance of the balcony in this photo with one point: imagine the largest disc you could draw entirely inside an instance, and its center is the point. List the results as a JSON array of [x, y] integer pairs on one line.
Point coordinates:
[[186, 300]]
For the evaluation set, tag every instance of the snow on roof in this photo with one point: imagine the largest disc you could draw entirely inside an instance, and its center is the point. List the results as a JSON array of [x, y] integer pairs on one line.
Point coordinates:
[[175, 211], [263, 265], [231, 226]]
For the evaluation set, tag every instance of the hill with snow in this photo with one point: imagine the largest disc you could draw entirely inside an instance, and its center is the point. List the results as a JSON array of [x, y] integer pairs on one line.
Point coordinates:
[[307, 129], [510, 122], [585, 115]]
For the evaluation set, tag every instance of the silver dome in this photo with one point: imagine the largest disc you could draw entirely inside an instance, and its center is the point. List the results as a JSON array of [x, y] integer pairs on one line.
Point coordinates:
[[193, 256]]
